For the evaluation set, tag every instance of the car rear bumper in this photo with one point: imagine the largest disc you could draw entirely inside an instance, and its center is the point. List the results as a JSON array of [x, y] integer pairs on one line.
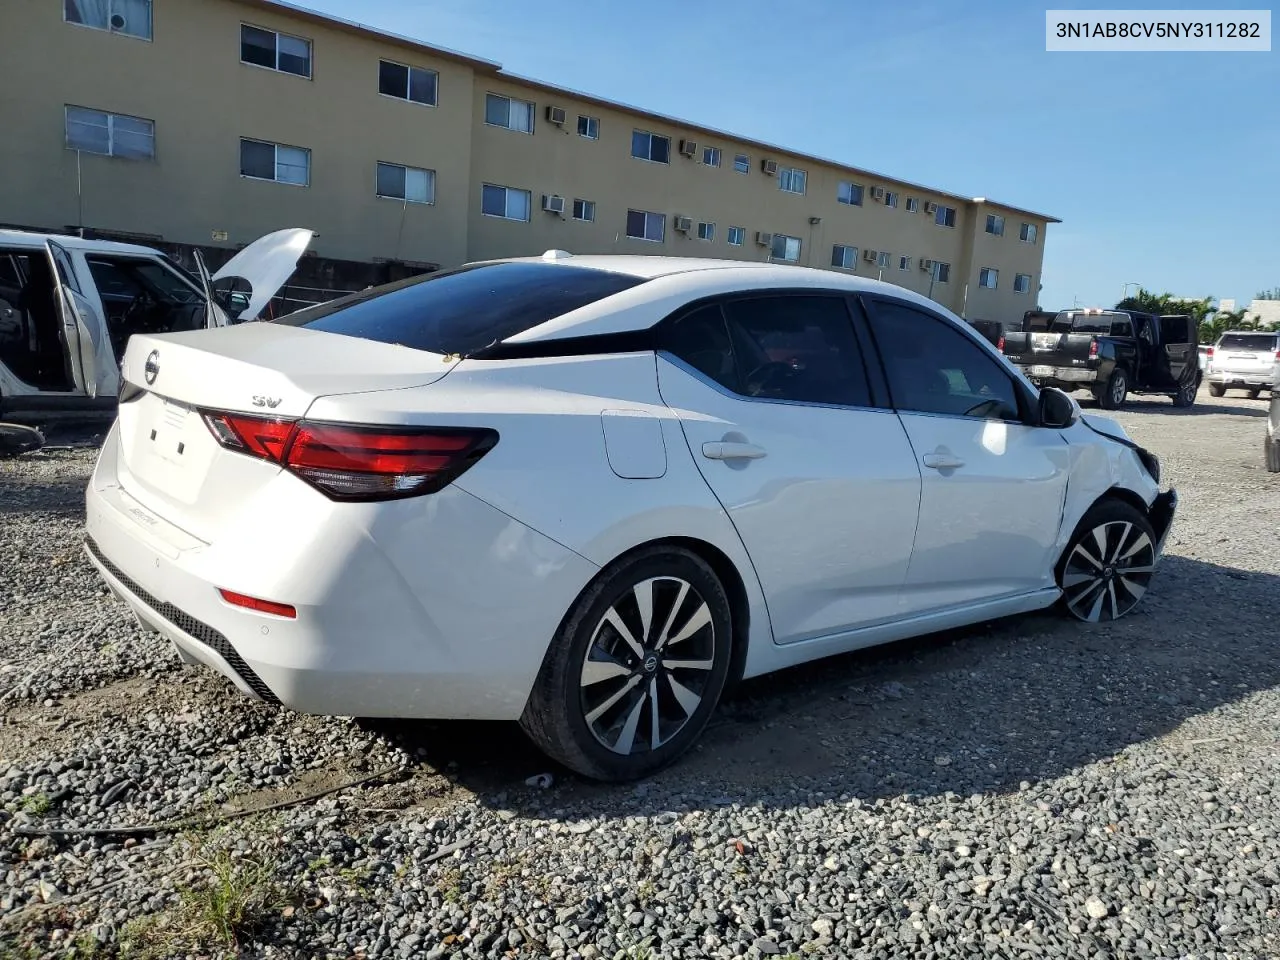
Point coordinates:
[[1050, 376], [1240, 381], [437, 607], [1161, 514]]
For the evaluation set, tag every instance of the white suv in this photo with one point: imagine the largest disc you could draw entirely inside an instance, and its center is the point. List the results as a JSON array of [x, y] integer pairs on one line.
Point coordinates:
[[1243, 360]]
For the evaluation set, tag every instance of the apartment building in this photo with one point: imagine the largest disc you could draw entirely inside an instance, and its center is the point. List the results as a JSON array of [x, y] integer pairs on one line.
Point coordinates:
[[206, 123]]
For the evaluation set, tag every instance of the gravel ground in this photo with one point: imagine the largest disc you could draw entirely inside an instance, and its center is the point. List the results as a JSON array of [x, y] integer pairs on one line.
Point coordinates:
[[1028, 788]]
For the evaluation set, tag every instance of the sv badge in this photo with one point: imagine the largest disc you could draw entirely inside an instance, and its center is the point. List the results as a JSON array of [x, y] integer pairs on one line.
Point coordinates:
[[270, 402]]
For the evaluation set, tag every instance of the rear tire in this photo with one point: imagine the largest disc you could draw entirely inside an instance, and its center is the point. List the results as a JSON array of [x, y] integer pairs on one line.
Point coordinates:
[[1108, 564], [1116, 391], [1272, 454], [1217, 390], [611, 701]]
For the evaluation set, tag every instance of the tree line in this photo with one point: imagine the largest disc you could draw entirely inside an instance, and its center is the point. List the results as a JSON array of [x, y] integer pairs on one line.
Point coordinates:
[[1212, 323]]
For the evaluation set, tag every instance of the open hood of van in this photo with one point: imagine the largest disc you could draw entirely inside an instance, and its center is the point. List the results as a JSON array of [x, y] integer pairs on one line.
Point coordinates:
[[265, 266]]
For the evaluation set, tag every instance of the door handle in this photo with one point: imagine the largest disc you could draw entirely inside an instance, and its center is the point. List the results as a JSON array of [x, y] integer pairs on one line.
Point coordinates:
[[728, 450], [942, 461]]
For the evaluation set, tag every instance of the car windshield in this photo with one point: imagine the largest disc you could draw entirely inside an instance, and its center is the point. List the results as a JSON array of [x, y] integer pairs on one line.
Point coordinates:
[[465, 310], [1256, 342], [1072, 321]]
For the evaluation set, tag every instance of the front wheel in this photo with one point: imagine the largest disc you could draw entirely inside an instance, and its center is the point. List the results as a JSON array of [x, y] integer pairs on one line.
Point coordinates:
[[1186, 395], [636, 669], [1107, 566], [1217, 390]]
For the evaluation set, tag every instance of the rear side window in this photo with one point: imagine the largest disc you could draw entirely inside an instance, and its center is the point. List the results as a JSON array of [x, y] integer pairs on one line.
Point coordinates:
[[1254, 342], [463, 311], [1176, 330]]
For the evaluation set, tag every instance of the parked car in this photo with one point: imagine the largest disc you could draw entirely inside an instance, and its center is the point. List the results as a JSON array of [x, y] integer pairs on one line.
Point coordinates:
[[588, 492], [1243, 360], [69, 306], [1110, 353]]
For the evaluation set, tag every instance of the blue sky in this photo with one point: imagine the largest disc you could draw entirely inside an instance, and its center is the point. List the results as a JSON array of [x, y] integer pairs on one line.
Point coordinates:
[[1163, 166]]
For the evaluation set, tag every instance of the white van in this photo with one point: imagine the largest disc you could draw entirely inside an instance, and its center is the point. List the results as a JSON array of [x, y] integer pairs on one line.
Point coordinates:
[[68, 307]]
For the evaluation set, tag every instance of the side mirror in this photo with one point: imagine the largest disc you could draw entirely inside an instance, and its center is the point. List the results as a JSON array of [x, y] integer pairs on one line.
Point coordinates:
[[1057, 410]]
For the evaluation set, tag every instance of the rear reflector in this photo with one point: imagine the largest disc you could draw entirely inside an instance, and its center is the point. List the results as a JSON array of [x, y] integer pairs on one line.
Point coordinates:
[[1093, 348], [356, 462], [259, 606]]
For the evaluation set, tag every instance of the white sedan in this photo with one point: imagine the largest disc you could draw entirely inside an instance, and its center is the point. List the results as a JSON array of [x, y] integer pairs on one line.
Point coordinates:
[[589, 492]]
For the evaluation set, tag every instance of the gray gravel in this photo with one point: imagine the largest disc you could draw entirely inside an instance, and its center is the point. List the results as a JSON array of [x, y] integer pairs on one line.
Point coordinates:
[[1029, 788]]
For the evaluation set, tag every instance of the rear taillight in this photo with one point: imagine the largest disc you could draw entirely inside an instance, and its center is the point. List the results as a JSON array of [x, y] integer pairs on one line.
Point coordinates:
[[259, 606], [353, 462], [1000, 344], [1093, 349], [1209, 352], [1278, 354]]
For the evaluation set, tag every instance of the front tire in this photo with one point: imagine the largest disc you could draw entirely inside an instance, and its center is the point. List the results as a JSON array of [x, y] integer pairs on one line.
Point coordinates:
[[1217, 390], [1116, 391], [636, 669], [1107, 566], [1186, 395]]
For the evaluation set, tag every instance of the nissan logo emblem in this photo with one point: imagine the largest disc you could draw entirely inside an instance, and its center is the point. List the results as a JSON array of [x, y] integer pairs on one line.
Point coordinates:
[[151, 369]]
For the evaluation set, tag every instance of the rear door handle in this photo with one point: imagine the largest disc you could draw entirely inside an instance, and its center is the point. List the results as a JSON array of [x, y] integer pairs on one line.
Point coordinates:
[[728, 450], [942, 461]]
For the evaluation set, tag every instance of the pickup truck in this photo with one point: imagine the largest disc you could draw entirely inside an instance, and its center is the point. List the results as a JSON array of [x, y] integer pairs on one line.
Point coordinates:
[[1110, 353]]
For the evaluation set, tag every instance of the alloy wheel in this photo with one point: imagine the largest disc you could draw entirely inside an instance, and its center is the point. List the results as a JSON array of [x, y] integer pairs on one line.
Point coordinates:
[[648, 665], [1108, 571], [1118, 389]]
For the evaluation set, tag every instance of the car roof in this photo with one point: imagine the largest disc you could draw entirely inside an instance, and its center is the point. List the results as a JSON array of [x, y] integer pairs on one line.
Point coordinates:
[[32, 240]]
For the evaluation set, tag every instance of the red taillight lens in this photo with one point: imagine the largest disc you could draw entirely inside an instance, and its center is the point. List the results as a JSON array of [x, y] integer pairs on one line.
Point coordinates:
[[350, 462], [259, 606], [1000, 344], [1093, 349], [1209, 353]]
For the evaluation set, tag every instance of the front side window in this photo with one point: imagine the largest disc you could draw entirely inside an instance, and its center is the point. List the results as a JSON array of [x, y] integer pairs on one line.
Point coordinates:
[[646, 225], [1022, 283], [1027, 234], [407, 83], [275, 51], [650, 146], [110, 134], [589, 127], [945, 216], [742, 163], [785, 248], [711, 156], [465, 310], [995, 225], [132, 18], [411, 184], [706, 231], [584, 210], [261, 160], [844, 256], [850, 193], [791, 179], [989, 277], [737, 236], [508, 203], [935, 368], [508, 112]]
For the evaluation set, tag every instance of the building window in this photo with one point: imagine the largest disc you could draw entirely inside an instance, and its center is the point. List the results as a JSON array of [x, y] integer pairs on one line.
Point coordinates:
[[643, 225], [110, 134], [791, 180], [589, 127], [505, 202], [129, 17], [1022, 283], [995, 225], [737, 236], [275, 51], [407, 83], [988, 277], [785, 248], [890, 198], [941, 271], [945, 216], [843, 256], [913, 205], [506, 112], [1028, 233], [706, 231], [884, 260], [650, 146], [260, 160], [904, 263], [850, 193], [711, 156], [584, 210], [411, 184], [742, 163]]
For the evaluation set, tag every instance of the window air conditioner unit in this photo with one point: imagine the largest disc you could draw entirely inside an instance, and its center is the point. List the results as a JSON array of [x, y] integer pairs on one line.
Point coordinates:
[[926, 265], [556, 115], [877, 193], [553, 204], [764, 239], [930, 207], [870, 255], [684, 224], [688, 148], [770, 167]]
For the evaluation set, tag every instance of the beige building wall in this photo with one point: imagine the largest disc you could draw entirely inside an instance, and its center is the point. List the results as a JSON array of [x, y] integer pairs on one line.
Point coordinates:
[[190, 81]]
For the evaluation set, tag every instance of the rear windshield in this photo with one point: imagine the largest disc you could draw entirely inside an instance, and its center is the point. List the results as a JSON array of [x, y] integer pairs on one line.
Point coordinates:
[[1069, 321], [465, 310], [1260, 342]]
